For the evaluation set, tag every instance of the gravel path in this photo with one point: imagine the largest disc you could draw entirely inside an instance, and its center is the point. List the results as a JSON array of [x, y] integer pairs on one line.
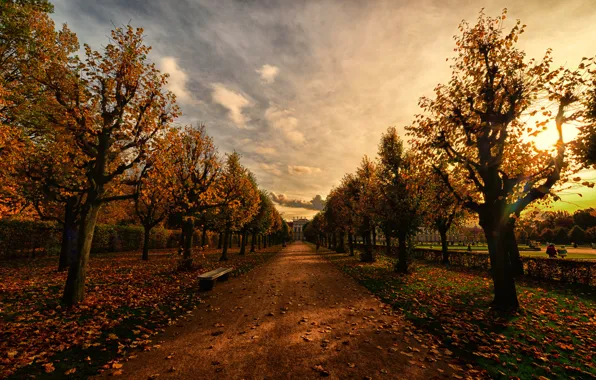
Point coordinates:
[[295, 317]]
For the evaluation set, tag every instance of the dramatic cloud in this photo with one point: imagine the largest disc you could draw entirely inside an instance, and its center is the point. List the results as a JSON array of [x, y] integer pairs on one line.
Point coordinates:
[[177, 80], [268, 73], [231, 100], [316, 203], [331, 76], [285, 122], [300, 170], [270, 168]]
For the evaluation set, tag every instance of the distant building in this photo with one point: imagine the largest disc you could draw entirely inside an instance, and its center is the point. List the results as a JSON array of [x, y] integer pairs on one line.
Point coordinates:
[[297, 225]]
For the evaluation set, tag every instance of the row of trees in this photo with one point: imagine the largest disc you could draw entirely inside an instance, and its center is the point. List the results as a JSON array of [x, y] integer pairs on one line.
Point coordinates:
[[472, 147], [395, 194], [559, 227], [79, 133]]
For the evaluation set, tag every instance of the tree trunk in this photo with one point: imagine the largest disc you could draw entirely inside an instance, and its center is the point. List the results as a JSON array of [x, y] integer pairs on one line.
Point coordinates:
[[181, 241], [264, 241], [219, 241], [74, 289], [511, 246], [351, 243], [367, 255], [387, 243], [244, 237], [253, 242], [204, 237], [402, 254], [188, 230], [444, 248], [259, 238], [146, 242], [226, 240], [68, 232], [502, 273], [341, 248], [374, 236]]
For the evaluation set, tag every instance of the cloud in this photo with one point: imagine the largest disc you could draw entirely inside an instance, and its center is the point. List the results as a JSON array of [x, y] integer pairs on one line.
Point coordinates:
[[284, 121], [177, 80], [345, 80], [268, 73], [270, 168], [261, 148], [266, 150], [300, 170], [317, 203], [231, 100]]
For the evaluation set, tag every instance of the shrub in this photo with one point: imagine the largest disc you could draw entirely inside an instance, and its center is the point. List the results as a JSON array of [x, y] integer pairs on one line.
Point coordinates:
[[28, 238], [25, 238]]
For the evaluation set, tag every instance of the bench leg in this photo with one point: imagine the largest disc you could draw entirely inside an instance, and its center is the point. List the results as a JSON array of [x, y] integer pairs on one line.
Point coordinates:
[[224, 277], [206, 284]]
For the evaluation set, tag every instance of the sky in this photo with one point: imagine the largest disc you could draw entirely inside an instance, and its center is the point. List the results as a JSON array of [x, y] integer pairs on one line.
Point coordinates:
[[303, 89]]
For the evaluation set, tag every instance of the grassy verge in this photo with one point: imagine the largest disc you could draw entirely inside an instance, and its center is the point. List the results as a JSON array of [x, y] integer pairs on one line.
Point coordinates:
[[128, 301], [553, 336]]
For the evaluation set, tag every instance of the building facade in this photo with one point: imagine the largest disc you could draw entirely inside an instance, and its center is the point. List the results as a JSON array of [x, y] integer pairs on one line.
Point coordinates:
[[297, 228]]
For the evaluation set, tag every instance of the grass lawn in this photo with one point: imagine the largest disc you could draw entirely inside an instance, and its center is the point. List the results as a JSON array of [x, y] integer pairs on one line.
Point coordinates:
[[573, 253], [554, 335], [127, 302]]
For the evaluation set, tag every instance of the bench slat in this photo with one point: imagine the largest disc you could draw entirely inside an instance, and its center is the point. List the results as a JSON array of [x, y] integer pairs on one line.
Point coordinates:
[[215, 273]]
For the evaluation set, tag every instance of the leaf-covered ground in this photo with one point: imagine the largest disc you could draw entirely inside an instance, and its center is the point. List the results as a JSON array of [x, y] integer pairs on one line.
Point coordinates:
[[127, 301], [554, 335]]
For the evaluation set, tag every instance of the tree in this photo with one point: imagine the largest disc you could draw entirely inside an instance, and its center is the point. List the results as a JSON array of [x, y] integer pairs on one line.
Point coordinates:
[[154, 199], [547, 235], [197, 165], [591, 234], [577, 235], [444, 209], [561, 235], [480, 124], [400, 191], [363, 188], [109, 108], [240, 199], [27, 40], [261, 222], [335, 217], [584, 146], [585, 218]]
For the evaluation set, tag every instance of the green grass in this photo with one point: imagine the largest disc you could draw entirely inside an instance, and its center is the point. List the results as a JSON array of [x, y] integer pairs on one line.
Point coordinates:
[[552, 336], [523, 251]]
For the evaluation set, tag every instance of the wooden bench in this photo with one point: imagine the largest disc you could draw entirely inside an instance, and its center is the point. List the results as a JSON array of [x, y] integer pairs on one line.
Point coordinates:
[[207, 280]]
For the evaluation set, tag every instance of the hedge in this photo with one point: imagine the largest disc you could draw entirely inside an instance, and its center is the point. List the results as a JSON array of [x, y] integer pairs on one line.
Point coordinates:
[[563, 270], [23, 238]]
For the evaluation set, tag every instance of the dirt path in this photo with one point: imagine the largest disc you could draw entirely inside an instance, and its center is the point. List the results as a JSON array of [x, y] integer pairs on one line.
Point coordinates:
[[295, 317]]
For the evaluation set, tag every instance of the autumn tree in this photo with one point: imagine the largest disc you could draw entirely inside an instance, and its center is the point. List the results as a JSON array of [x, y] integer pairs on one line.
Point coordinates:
[[400, 193], [239, 197], [261, 222], [109, 108], [339, 217], [154, 193], [584, 146], [197, 168], [364, 189], [26, 37], [444, 210], [482, 123]]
